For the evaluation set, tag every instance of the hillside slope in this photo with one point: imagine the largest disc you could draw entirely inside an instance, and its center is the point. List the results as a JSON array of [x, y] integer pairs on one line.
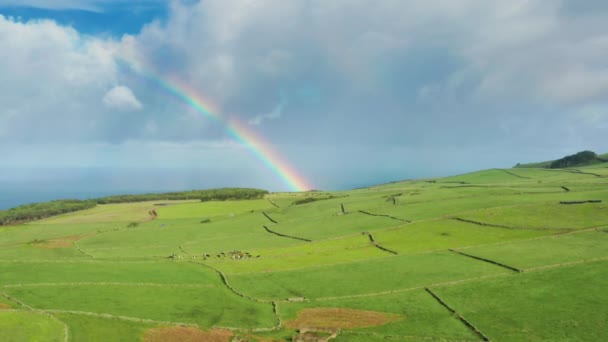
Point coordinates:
[[501, 254], [583, 158]]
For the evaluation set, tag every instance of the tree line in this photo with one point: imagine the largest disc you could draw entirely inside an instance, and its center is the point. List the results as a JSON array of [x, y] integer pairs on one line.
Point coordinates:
[[38, 211], [578, 159]]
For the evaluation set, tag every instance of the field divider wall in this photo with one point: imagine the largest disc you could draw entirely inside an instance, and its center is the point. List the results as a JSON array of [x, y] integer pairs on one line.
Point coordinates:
[[384, 215], [576, 172], [565, 264], [269, 218], [505, 226], [459, 316], [232, 289], [66, 329], [580, 202], [284, 235], [514, 174], [377, 245], [15, 300], [122, 318], [81, 251], [273, 202], [488, 261]]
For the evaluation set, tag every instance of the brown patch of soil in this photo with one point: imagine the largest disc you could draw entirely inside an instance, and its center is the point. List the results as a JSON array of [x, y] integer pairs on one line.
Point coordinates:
[[186, 334], [61, 242], [336, 318], [4, 306]]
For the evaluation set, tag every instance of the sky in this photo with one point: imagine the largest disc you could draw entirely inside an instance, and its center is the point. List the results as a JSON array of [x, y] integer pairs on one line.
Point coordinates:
[[346, 92]]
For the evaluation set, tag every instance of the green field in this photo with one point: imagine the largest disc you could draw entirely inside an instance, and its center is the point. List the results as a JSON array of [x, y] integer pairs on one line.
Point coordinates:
[[404, 261]]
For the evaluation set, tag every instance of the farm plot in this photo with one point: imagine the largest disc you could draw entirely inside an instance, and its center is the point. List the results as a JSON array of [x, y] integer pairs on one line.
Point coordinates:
[[164, 237], [334, 226], [93, 328], [549, 215], [359, 278], [303, 255], [122, 212], [37, 252], [27, 233], [211, 209], [207, 307], [564, 304], [444, 234], [417, 317], [445, 206], [18, 326], [554, 250], [17, 273]]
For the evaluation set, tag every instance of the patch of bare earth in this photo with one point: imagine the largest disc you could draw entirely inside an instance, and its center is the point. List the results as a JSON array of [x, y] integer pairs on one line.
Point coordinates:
[[186, 334], [337, 318], [4, 306], [61, 242]]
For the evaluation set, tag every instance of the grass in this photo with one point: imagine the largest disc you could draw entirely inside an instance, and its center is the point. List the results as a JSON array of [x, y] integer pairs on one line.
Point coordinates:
[[324, 252], [163, 272], [445, 234], [211, 209], [207, 307], [545, 215], [421, 316], [547, 251], [324, 227], [356, 278], [123, 212], [113, 272], [17, 326], [89, 328], [566, 304]]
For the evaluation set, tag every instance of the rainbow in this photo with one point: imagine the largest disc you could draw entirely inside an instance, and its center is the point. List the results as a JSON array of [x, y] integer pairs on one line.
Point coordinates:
[[260, 149]]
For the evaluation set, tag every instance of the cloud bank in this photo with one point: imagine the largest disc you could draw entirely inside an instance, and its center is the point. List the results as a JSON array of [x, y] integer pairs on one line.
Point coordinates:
[[525, 79]]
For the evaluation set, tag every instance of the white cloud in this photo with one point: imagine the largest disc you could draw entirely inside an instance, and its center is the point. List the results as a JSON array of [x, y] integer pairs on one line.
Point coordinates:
[[273, 115], [121, 98], [353, 56]]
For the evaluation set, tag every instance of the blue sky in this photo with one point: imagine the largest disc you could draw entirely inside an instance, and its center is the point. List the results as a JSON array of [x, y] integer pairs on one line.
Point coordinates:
[[350, 92], [111, 18]]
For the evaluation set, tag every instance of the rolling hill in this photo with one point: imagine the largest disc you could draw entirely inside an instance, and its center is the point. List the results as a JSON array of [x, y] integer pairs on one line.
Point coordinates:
[[502, 254]]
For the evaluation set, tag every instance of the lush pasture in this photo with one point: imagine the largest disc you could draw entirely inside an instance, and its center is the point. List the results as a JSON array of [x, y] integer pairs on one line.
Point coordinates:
[[333, 226], [18, 326], [113, 272], [420, 316], [206, 306], [211, 209], [91, 328], [547, 251], [565, 304], [446, 233], [376, 275], [303, 255], [161, 272], [123, 212], [545, 215]]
